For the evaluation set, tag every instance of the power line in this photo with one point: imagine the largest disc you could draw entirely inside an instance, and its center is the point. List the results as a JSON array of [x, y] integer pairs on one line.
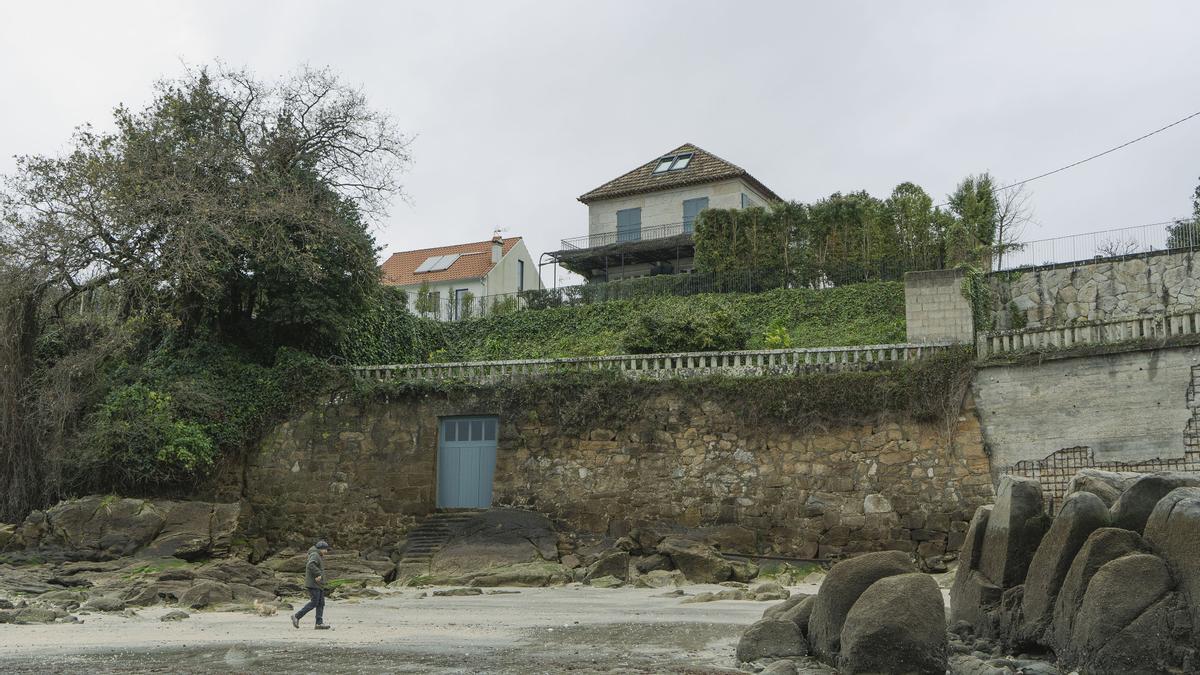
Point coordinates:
[[1095, 156]]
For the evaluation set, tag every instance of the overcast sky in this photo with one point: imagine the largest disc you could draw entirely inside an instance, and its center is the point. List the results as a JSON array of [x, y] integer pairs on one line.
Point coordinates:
[[517, 108]]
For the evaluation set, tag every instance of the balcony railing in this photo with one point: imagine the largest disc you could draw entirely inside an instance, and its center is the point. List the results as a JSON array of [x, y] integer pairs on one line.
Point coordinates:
[[1109, 331], [660, 366], [641, 233]]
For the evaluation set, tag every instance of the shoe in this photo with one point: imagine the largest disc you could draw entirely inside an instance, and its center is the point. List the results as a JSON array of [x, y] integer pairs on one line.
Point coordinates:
[[295, 622], [323, 626]]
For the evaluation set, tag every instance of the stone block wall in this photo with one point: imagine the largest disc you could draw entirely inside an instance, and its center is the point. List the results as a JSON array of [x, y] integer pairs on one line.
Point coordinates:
[[1094, 291], [364, 473], [935, 307]]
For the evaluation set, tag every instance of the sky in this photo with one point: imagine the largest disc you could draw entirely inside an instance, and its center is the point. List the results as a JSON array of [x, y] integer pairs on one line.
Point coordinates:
[[517, 108]]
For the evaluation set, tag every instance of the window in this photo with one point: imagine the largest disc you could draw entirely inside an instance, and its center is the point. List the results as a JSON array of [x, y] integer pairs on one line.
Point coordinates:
[[629, 224], [520, 275], [691, 209], [673, 163], [681, 162], [746, 201], [460, 303]]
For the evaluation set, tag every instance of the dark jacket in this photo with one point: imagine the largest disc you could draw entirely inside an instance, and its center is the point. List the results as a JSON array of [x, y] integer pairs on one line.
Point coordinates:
[[315, 567]]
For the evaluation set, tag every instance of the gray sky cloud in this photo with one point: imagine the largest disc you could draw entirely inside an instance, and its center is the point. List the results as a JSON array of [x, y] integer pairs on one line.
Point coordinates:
[[519, 107]]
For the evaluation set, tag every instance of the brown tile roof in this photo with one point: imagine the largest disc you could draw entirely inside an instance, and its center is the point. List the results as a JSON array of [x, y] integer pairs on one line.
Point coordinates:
[[705, 167], [475, 263]]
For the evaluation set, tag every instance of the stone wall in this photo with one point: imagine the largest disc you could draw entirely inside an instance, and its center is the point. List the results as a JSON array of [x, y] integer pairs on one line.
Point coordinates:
[[1093, 291], [935, 307], [363, 473], [1129, 408]]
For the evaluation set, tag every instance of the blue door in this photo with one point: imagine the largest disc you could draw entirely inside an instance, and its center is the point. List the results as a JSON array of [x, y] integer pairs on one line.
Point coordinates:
[[466, 462], [629, 224]]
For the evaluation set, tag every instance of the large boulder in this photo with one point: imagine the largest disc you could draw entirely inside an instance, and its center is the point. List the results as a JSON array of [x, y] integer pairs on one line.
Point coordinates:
[[1133, 509], [206, 593], [196, 530], [898, 625], [698, 561], [1082, 513], [1120, 592], [775, 610], [613, 564], [497, 538], [1173, 530], [800, 613], [841, 589], [1101, 547], [1107, 485], [1014, 530], [771, 638], [972, 593]]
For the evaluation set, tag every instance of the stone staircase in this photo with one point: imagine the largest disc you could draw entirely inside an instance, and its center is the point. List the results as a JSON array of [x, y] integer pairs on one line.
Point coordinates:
[[429, 537]]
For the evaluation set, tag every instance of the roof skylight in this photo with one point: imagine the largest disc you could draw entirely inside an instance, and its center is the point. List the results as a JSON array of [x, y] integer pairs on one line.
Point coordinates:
[[673, 163]]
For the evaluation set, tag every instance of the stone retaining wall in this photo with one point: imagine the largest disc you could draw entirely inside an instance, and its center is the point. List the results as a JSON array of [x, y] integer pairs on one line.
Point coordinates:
[[1092, 291], [362, 474]]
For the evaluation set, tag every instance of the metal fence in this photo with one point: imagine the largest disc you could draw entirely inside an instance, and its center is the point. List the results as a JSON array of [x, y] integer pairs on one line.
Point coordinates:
[[638, 233], [1087, 247]]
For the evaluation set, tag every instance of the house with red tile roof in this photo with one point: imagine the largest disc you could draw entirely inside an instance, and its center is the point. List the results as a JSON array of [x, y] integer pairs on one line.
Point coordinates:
[[461, 280], [641, 222]]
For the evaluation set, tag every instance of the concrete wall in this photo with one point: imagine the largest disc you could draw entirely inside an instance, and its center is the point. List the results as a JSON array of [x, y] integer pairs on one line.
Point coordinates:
[[368, 471], [935, 307], [1122, 407], [1111, 288], [666, 207]]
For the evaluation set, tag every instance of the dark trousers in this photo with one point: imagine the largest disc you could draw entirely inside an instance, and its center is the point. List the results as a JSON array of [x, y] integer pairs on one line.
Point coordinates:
[[316, 601]]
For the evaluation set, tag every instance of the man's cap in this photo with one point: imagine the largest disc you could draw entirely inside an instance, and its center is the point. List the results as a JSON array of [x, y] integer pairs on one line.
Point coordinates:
[[323, 544]]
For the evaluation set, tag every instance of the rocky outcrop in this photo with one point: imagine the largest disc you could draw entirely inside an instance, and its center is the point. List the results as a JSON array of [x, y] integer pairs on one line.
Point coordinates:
[[1095, 593], [1014, 530], [106, 528], [1107, 485], [841, 589], [897, 625]]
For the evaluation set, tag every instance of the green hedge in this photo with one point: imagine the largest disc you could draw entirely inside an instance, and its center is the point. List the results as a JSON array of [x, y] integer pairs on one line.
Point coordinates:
[[868, 313]]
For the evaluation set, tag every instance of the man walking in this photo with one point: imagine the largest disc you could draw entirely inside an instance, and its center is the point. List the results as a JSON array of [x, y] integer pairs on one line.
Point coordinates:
[[314, 581]]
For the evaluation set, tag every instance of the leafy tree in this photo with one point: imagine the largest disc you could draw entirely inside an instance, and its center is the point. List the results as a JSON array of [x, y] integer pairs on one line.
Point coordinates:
[[1186, 233], [228, 207]]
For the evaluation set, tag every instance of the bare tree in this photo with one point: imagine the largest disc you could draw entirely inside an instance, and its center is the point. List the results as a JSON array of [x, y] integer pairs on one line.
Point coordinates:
[[1013, 213]]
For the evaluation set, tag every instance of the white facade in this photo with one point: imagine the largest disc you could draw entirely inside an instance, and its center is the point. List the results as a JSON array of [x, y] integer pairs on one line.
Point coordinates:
[[516, 271], [666, 208]]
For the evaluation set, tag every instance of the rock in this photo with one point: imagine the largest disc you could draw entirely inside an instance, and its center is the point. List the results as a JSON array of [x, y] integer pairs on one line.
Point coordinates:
[[1133, 508], [768, 590], [898, 625], [781, 667], [64, 599], [1148, 644], [1014, 529], [571, 561], [774, 611], [237, 571], [971, 591], [246, 593], [743, 571], [727, 594], [104, 603], [729, 538], [145, 594], [1173, 530], [652, 563], [7, 533], [845, 582], [1101, 547], [204, 594], [496, 538], [800, 613], [769, 638], [524, 574], [1107, 485], [661, 579], [614, 564], [1112, 603], [607, 582], [26, 615], [457, 592], [1082, 513], [699, 563], [174, 615]]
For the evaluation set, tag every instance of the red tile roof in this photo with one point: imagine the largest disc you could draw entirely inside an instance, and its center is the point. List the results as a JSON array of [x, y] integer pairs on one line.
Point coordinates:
[[705, 167], [475, 262]]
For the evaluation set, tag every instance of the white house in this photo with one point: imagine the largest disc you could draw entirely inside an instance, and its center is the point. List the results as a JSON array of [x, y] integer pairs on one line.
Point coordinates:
[[640, 223], [464, 279]]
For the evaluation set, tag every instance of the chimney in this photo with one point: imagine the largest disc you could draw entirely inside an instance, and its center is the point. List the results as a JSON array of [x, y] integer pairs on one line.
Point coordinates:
[[497, 247]]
